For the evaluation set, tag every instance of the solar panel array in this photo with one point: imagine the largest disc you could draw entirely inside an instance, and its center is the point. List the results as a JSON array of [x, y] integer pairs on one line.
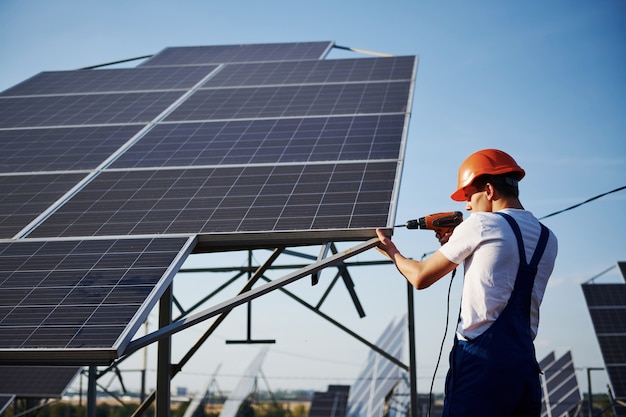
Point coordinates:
[[561, 393], [110, 177], [368, 395], [607, 307]]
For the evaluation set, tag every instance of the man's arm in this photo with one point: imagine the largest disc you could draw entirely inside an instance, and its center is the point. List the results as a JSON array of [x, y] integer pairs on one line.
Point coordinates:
[[420, 274]]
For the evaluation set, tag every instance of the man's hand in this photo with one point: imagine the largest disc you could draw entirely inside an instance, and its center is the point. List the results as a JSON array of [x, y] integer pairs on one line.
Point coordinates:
[[386, 246], [443, 238]]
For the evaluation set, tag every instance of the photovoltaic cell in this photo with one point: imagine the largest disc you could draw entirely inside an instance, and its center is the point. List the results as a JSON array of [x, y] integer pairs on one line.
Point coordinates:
[[267, 141], [110, 80], [79, 294], [607, 307], [294, 101], [84, 109], [313, 72], [24, 197], [60, 149], [195, 55], [36, 381]]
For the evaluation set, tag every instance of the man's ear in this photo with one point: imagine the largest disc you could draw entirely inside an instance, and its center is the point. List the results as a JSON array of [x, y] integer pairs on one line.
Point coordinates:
[[491, 192]]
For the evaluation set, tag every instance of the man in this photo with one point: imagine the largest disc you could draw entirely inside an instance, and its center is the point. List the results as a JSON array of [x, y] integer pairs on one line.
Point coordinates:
[[508, 257]]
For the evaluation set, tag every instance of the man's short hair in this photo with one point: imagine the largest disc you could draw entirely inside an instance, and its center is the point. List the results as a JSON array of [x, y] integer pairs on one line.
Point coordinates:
[[506, 184]]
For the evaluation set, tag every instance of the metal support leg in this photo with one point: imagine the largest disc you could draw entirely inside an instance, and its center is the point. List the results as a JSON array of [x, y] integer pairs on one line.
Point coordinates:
[[412, 351], [91, 392], [164, 357]]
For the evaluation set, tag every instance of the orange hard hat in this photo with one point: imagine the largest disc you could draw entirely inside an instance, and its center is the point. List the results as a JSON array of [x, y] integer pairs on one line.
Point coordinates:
[[486, 161]]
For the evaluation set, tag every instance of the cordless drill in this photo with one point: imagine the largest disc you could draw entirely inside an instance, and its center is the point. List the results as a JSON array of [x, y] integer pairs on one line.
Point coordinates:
[[441, 223]]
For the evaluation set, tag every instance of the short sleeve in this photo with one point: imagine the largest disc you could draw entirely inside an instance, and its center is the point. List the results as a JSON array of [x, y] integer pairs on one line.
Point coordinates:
[[464, 240]]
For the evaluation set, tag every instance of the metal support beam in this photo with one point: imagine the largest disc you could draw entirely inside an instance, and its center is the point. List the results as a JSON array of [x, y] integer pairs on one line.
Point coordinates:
[[164, 355], [228, 305]]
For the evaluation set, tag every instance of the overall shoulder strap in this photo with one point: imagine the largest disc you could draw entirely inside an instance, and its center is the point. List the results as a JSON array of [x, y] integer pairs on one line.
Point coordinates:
[[518, 236], [541, 244]]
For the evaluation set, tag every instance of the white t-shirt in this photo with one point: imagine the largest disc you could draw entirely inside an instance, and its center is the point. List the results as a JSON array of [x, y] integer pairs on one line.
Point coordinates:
[[486, 244]]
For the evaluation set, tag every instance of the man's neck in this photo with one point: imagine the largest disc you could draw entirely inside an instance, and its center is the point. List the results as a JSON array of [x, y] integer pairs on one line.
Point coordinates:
[[504, 203]]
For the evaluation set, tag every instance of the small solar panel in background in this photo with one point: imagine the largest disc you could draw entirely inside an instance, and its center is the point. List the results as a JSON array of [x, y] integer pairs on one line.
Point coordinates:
[[607, 307]]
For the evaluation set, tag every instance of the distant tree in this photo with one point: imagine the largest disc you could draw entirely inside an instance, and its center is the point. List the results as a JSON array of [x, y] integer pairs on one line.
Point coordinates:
[[299, 411]]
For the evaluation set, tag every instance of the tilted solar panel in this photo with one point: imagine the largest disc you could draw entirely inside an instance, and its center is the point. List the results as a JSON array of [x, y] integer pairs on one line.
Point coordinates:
[[228, 200], [86, 297], [379, 376], [36, 382], [561, 393], [110, 80], [294, 101], [607, 307], [194, 55], [84, 109], [61, 149], [267, 141], [313, 72]]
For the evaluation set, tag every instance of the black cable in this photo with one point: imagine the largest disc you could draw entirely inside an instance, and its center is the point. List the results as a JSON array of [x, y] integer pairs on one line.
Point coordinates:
[[443, 340], [584, 202]]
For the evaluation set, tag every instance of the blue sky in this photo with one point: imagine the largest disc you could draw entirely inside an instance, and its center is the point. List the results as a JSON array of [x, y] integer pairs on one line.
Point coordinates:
[[544, 81]]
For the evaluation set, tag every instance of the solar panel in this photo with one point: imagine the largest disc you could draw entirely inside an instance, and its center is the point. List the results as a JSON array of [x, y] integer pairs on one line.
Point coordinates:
[[61, 149], [607, 307], [293, 101], [313, 72], [379, 375], [83, 109], [332, 403], [227, 200], [267, 141], [36, 382], [245, 386], [195, 55], [561, 393], [84, 296], [121, 79]]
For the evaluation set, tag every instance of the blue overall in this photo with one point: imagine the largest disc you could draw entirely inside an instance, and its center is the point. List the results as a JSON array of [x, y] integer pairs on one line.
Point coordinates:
[[496, 374]]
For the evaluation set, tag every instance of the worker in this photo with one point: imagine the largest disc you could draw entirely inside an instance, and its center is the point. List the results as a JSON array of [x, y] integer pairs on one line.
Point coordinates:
[[507, 256]]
